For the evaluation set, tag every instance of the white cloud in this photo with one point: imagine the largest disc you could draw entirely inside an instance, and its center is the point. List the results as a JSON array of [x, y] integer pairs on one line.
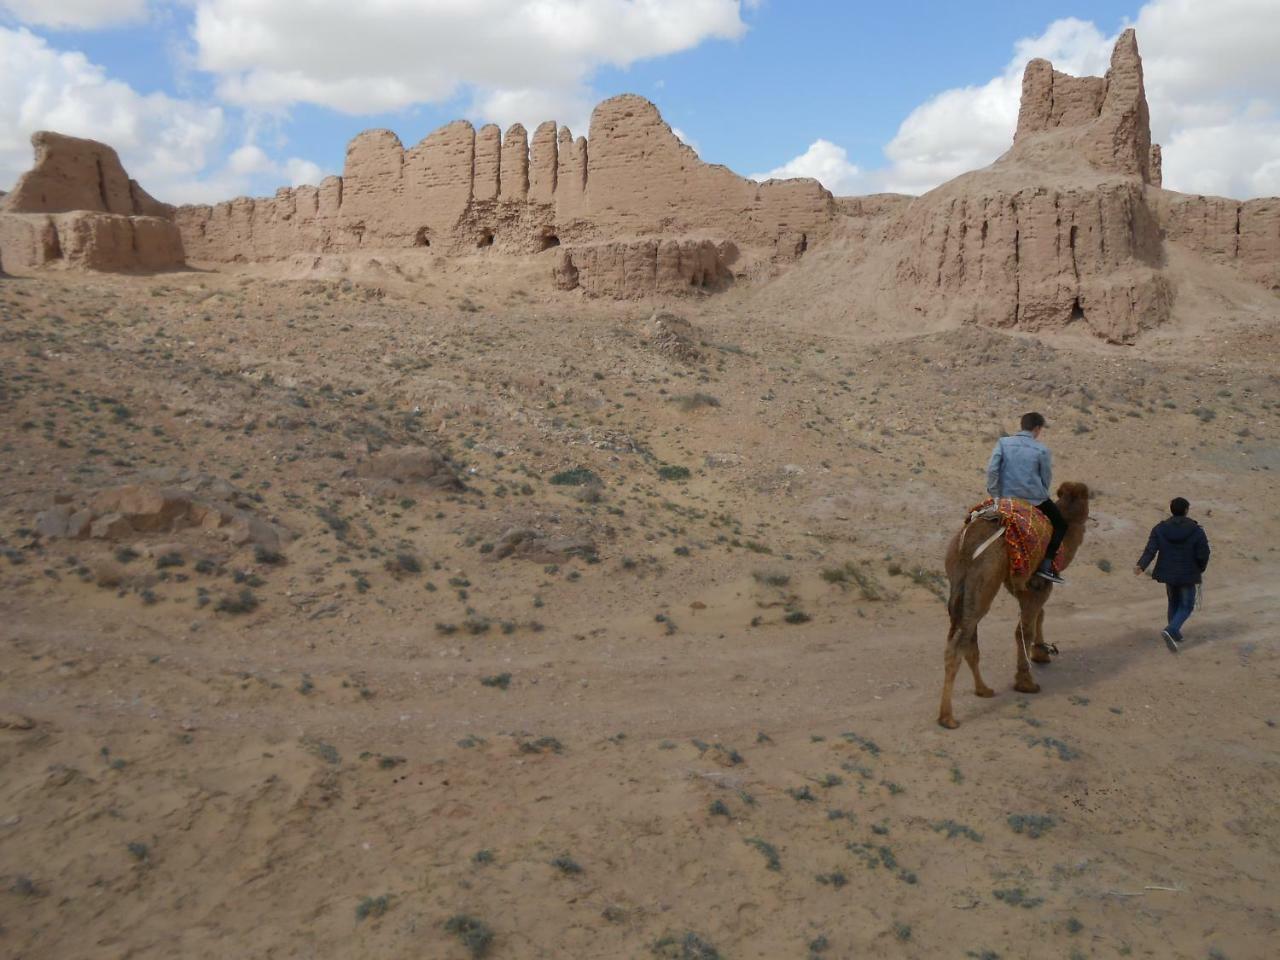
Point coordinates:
[[74, 14], [685, 139], [825, 162], [249, 159], [301, 171], [1211, 81], [531, 106], [171, 146], [511, 56], [161, 140]]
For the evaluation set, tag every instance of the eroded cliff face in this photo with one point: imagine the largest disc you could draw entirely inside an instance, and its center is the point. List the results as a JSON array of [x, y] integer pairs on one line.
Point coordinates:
[[460, 190], [1059, 230], [1242, 234], [77, 207]]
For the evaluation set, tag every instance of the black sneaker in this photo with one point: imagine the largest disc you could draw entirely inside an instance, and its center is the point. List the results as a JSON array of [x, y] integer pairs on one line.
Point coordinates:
[[1169, 642], [1046, 572]]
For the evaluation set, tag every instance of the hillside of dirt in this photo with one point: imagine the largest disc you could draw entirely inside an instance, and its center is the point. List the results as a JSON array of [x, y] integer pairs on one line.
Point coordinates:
[[374, 607]]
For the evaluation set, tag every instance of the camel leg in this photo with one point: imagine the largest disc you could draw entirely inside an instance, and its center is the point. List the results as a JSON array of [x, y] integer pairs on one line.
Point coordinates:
[[951, 660], [1023, 634], [1040, 651], [971, 657]]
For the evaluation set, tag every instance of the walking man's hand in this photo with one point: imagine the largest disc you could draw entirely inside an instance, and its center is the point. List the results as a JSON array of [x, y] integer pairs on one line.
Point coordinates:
[[1137, 570]]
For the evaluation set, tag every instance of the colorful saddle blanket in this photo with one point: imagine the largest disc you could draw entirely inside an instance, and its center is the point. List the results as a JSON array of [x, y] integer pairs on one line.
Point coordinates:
[[1027, 532]]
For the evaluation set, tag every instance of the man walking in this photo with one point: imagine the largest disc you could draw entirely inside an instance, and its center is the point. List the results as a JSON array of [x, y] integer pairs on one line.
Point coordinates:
[[1020, 466], [1181, 551]]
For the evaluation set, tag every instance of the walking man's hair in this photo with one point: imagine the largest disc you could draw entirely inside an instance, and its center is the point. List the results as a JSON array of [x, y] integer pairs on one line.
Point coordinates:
[[1031, 421], [1178, 506]]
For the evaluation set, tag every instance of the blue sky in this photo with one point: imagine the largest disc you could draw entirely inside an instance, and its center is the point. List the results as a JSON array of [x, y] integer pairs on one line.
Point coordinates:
[[206, 99]]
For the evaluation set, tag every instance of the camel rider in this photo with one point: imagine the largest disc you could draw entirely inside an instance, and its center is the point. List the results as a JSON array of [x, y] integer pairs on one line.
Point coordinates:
[[1020, 466]]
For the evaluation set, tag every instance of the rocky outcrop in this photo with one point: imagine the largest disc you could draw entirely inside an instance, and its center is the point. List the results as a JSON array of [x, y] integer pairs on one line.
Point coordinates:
[[1058, 231], [424, 466], [75, 174], [148, 508], [460, 190], [1101, 120], [78, 208], [629, 270], [1243, 234]]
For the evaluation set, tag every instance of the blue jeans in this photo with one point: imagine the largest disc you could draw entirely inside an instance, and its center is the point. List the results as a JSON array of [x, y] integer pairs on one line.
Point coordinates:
[[1182, 601]]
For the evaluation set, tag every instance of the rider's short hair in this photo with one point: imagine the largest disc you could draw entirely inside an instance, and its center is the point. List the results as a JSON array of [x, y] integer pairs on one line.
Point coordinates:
[[1179, 506], [1031, 421]]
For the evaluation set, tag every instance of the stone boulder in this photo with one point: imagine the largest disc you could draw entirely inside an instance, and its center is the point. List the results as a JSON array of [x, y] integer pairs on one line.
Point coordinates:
[[150, 508], [423, 466], [527, 544]]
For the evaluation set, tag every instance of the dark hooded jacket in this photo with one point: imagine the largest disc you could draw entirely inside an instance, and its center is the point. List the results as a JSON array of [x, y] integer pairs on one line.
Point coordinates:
[[1180, 549]]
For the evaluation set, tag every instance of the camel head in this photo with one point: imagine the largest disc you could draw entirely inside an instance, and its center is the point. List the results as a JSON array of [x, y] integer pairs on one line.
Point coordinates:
[[1073, 501]]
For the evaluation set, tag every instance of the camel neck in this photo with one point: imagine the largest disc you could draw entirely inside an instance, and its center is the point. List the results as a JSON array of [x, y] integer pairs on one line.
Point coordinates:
[[1071, 542]]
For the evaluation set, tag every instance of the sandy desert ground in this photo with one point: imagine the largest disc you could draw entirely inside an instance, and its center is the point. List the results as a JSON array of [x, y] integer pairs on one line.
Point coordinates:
[[692, 713]]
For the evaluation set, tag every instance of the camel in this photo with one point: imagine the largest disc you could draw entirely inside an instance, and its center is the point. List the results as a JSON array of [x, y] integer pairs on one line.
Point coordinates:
[[975, 583]]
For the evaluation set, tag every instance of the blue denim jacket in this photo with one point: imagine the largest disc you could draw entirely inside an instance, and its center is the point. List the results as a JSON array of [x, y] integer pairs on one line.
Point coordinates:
[[1020, 466]]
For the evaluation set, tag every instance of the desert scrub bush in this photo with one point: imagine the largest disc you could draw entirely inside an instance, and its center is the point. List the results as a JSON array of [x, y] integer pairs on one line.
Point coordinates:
[[1033, 825], [870, 746], [835, 878], [403, 563], [853, 573], [243, 602], [772, 578], [542, 745], [1017, 897], [801, 794], [499, 680], [673, 472], [1205, 414], [482, 857], [575, 477], [567, 865], [723, 755], [695, 401], [797, 616], [688, 947], [1053, 744], [953, 830], [139, 851], [767, 850], [1104, 565], [474, 934], [719, 808], [372, 907], [127, 555], [172, 559], [268, 556]]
